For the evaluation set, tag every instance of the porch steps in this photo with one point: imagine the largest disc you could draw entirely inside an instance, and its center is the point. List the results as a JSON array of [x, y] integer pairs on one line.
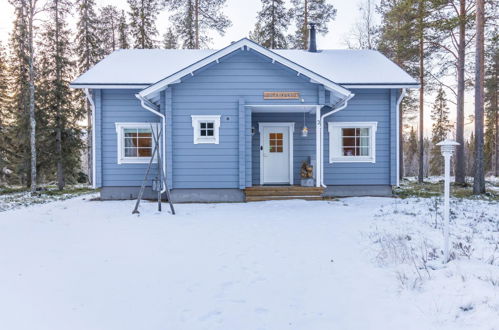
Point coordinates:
[[269, 193]]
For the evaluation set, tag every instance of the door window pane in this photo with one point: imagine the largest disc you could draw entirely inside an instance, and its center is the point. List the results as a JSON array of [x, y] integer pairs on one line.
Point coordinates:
[[275, 142]]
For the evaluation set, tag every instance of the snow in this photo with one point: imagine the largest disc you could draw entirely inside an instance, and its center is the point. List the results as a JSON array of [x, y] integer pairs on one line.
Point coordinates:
[[347, 264], [148, 66]]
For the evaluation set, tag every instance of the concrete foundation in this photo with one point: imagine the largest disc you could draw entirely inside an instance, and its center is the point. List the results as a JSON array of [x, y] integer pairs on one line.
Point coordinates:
[[356, 191], [178, 195]]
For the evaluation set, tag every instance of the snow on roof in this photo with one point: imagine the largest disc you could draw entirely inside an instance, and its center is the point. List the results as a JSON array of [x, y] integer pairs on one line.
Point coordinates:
[[148, 66]]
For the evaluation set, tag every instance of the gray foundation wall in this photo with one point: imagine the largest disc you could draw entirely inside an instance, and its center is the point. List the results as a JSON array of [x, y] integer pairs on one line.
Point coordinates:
[[358, 190], [178, 195]]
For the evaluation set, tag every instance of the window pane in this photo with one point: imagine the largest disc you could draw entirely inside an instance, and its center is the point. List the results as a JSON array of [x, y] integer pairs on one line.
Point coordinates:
[[348, 132], [130, 152], [364, 151], [130, 142], [210, 132], [364, 142], [130, 132], [348, 142], [210, 125], [364, 131], [349, 151], [144, 142], [203, 125], [203, 132], [144, 152]]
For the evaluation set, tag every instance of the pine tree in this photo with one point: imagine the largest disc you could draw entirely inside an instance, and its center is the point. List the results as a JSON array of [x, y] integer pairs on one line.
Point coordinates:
[[397, 42], [453, 22], [26, 13], [304, 12], [108, 28], [440, 129], [4, 112], [479, 173], [123, 42], [194, 19], [19, 90], [56, 99], [143, 14], [88, 53], [491, 150], [272, 22], [469, 151], [411, 150], [170, 39]]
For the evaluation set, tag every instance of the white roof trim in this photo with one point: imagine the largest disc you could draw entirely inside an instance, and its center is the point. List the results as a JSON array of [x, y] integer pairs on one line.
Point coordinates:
[[380, 86], [314, 77]]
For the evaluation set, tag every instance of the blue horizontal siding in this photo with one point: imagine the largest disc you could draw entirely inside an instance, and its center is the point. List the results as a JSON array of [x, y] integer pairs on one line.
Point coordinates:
[[217, 90], [367, 105], [121, 105]]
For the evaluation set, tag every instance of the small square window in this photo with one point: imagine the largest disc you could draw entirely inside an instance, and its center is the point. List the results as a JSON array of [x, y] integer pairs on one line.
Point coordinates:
[[206, 129]]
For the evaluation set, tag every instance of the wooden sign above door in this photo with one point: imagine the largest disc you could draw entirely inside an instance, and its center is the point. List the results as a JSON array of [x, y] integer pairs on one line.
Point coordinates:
[[281, 95]]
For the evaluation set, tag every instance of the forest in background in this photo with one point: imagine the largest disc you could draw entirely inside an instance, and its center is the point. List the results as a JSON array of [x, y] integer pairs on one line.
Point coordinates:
[[447, 45]]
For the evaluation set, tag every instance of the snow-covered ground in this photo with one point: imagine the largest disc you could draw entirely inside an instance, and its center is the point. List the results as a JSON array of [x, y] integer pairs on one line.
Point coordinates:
[[356, 263]]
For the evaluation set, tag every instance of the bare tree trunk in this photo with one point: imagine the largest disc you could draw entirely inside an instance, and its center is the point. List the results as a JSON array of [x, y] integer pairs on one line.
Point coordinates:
[[497, 138], [460, 161], [479, 175], [305, 23], [421, 98], [196, 21], [32, 119], [59, 124]]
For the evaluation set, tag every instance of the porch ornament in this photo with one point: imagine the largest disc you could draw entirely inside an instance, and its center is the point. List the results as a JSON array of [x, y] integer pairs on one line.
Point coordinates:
[[304, 131], [307, 174]]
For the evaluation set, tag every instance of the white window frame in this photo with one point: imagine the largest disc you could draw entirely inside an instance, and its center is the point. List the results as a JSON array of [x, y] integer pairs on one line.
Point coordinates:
[[336, 143], [120, 128], [197, 138]]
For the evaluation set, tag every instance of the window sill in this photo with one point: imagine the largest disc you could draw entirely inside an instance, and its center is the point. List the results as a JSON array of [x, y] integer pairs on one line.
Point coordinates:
[[136, 161], [352, 160]]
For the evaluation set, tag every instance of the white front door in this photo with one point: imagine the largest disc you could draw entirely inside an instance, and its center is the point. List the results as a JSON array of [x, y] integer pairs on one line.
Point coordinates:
[[276, 153]]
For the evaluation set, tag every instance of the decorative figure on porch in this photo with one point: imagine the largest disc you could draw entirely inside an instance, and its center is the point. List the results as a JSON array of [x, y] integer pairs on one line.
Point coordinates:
[[307, 174]]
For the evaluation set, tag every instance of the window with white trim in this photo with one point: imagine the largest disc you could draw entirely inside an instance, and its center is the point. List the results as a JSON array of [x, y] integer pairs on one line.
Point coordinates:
[[206, 129], [352, 141], [135, 142]]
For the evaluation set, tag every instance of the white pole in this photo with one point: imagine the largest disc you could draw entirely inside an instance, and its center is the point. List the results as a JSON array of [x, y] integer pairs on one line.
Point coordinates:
[[447, 156]]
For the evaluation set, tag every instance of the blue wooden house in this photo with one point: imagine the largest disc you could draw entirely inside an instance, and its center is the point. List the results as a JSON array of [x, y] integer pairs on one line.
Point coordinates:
[[239, 122]]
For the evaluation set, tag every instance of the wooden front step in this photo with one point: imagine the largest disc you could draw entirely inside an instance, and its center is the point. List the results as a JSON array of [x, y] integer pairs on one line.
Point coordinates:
[[263, 193]]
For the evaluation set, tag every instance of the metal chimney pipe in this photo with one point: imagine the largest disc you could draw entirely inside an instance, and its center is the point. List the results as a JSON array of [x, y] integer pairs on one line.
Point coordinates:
[[312, 41]]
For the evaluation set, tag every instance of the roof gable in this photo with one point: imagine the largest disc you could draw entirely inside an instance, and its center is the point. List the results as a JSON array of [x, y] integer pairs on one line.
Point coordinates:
[[244, 45]]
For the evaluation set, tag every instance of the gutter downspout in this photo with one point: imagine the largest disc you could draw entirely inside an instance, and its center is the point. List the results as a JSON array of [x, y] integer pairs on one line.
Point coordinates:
[[345, 104], [402, 95], [163, 135], [92, 105]]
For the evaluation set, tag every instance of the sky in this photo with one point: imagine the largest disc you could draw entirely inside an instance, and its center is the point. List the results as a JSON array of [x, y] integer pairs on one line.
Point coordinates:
[[241, 12]]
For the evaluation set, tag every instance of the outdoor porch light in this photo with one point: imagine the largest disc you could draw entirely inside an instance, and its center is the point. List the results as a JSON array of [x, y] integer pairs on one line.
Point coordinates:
[[304, 131], [447, 148]]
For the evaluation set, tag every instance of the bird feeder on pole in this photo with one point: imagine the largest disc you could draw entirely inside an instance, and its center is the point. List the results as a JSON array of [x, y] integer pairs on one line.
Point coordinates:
[[447, 148]]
